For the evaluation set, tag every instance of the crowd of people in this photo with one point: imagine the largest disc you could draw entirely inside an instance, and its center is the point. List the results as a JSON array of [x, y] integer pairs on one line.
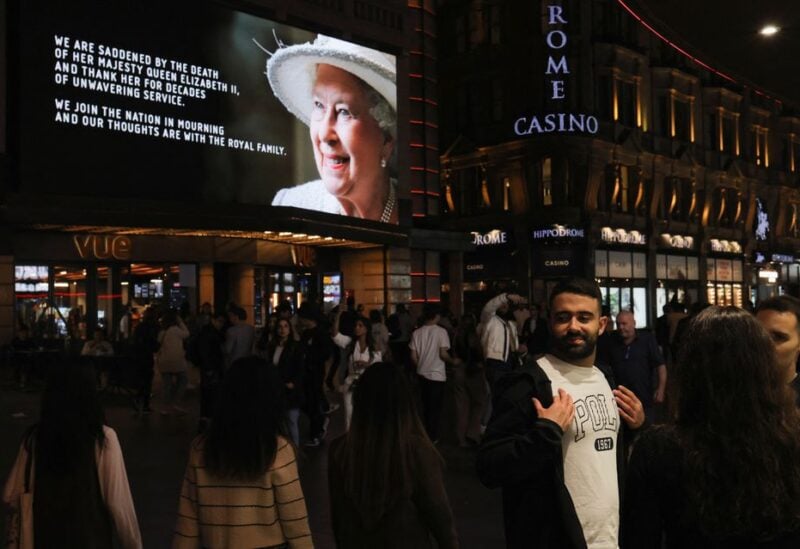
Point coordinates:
[[595, 438]]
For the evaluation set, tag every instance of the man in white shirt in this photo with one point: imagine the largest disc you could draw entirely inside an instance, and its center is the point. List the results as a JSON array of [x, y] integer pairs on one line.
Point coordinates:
[[553, 443], [498, 332], [429, 346]]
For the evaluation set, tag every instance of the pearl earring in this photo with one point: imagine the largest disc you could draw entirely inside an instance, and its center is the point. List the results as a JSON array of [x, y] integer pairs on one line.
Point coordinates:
[[383, 162]]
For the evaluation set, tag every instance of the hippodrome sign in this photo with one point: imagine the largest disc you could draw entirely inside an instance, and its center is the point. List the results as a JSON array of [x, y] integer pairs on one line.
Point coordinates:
[[560, 122]]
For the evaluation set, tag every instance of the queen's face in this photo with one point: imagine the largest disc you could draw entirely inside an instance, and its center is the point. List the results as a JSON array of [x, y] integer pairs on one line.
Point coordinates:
[[348, 142]]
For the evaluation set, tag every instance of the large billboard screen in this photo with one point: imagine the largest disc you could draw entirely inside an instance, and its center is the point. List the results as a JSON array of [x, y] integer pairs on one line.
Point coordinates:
[[198, 103]]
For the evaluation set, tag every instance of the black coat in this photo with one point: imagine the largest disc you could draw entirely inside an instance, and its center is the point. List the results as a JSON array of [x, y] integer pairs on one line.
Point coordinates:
[[522, 454], [290, 365]]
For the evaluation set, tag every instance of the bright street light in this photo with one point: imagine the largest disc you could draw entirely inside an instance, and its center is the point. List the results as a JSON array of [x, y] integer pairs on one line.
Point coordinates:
[[769, 30]]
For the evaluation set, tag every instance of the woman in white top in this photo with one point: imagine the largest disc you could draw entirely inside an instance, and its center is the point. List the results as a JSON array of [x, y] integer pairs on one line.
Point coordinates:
[[72, 464], [171, 361], [360, 352]]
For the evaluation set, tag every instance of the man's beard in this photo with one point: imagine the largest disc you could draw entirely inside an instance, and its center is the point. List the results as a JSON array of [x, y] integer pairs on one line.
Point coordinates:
[[567, 350]]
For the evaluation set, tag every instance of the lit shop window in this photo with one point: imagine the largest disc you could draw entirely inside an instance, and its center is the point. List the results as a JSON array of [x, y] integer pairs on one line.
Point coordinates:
[[31, 291]]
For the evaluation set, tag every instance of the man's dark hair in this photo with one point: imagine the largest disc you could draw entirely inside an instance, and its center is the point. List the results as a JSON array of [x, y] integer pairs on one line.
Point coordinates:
[[430, 311], [579, 286], [782, 304], [240, 313]]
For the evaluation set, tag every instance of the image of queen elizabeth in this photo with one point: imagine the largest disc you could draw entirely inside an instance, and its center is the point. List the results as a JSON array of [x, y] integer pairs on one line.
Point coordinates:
[[347, 96]]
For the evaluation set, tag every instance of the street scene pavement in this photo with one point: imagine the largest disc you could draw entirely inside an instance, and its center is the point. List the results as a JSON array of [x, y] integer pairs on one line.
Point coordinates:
[[156, 449]]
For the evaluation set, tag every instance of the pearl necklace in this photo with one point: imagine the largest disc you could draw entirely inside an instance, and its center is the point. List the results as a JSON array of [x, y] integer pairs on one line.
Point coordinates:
[[389, 207]]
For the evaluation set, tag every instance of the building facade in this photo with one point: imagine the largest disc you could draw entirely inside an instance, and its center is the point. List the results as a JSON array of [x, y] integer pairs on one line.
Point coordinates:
[[609, 152], [126, 217]]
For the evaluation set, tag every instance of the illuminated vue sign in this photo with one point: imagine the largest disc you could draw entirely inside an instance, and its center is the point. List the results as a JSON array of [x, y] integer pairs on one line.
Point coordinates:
[[192, 102], [557, 66]]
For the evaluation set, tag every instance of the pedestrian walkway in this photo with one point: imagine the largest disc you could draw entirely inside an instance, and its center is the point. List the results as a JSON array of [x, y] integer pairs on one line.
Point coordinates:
[[156, 449]]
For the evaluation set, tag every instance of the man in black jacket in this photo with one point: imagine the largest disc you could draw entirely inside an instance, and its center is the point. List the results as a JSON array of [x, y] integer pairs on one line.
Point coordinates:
[[553, 441]]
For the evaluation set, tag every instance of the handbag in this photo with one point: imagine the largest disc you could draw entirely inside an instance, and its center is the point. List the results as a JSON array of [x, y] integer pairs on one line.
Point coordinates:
[[19, 529]]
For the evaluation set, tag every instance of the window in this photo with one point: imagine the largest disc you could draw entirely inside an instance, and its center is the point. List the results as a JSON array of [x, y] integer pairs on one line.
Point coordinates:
[[625, 190], [730, 135], [759, 151], [682, 126], [680, 200], [547, 182], [627, 103], [475, 28], [722, 131], [461, 34], [728, 207], [604, 96], [791, 153], [794, 221], [497, 100], [495, 24]]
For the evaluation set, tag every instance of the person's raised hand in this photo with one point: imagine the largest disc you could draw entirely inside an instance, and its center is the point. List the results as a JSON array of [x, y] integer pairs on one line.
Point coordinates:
[[630, 407], [561, 412], [516, 299]]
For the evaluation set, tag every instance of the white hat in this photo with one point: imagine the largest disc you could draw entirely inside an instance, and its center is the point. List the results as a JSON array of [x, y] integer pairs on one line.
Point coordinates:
[[291, 71]]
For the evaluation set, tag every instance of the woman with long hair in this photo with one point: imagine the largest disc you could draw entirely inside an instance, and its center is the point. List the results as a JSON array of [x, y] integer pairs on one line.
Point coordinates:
[[726, 473], [283, 351], [73, 464], [242, 487], [385, 476], [359, 354]]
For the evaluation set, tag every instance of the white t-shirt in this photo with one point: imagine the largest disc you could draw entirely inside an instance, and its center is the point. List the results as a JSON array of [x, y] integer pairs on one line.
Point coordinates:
[[589, 447], [427, 341], [358, 355]]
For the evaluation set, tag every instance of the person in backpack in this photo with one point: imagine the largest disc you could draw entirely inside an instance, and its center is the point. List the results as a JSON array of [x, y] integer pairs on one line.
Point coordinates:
[[552, 443]]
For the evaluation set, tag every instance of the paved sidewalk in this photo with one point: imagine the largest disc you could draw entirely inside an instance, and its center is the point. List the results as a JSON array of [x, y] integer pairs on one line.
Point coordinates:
[[156, 448]]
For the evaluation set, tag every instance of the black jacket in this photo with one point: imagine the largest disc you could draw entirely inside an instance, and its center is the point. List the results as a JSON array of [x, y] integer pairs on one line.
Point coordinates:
[[522, 454]]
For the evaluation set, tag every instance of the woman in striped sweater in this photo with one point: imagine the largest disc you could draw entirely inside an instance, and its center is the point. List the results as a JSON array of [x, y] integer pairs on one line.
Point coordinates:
[[242, 488]]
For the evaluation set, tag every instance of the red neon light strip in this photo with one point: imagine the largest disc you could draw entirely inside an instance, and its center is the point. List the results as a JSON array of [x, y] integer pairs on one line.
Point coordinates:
[[672, 44], [683, 52], [421, 99], [422, 122]]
